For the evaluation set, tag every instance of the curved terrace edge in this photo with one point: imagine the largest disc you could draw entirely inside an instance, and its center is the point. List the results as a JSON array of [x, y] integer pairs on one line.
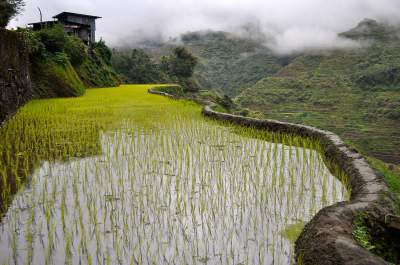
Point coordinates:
[[328, 237]]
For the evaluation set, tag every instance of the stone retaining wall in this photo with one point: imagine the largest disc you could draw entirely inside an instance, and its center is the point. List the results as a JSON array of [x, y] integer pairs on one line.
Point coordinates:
[[15, 84], [327, 238]]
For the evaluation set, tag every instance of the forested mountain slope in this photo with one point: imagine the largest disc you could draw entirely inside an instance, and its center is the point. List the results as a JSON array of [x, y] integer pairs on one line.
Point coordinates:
[[227, 63]]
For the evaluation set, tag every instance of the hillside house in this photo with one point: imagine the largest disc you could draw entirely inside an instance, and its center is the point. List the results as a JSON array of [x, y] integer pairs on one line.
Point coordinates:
[[80, 25]]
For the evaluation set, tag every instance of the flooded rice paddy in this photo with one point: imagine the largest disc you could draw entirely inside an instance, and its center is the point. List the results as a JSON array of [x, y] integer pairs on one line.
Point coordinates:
[[155, 183]]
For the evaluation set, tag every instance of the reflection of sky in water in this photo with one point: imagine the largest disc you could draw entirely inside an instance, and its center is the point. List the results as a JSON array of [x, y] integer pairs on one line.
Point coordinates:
[[178, 196]]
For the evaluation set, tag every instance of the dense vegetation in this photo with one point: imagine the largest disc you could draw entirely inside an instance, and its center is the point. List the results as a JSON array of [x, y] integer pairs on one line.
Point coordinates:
[[9, 9], [62, 65], [227, 63], [137, 67], [355, 93]]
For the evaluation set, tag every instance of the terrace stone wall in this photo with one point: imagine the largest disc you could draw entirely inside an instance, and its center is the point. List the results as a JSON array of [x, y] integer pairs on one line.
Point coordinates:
[[15, 83], [328, 238]]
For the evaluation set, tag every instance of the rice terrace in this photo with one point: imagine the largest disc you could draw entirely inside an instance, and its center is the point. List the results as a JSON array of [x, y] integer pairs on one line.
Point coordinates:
[[171, 132], [153, 182]]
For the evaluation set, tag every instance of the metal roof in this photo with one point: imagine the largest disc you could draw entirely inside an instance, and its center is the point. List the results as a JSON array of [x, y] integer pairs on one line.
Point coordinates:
[[75, 14]]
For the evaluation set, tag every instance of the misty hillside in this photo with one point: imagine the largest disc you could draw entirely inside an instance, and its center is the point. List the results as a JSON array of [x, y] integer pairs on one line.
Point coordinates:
[[370, 29], [355, 93], [227, 63]]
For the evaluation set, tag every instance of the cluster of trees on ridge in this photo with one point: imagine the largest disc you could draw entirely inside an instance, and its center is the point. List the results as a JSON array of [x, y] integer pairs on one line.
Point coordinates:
[[137, 67], [62, 65]]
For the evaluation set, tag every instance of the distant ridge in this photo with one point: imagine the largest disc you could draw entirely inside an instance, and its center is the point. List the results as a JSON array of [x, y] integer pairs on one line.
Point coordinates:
[[371, 29]]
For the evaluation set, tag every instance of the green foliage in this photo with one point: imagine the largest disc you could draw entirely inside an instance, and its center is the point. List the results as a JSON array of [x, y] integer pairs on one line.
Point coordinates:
[[292, 232], [379, 75], [189, 84], [354, 93], [32, 42], [9, 9], [180, 64], [361, 233], [91, 64], [76, 50], [102, 49], [137, 67], [53, 38], [226, 102], [370, 29], [60, 58], [228, 63], [394, 114], [56, 78], [376, 237], [172, 90], [53, 56], [391, 176], [96, 71]]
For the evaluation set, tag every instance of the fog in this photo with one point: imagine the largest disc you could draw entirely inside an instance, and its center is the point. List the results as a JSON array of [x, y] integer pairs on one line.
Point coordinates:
[[289, 25]]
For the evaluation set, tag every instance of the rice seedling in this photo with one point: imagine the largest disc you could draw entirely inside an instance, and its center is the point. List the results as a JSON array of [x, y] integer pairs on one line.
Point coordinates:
[[120, 176]]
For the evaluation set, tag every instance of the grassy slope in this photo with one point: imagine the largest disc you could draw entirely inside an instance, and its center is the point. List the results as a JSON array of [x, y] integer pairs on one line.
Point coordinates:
[[96, 72], [354, 93], [51, 79], [55, 76]]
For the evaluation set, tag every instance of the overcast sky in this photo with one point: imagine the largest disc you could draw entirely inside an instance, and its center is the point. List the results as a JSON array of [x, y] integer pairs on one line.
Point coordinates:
[[294, 24]]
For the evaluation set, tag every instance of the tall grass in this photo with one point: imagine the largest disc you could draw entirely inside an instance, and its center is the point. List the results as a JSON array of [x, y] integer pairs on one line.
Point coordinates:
[[120, 176]]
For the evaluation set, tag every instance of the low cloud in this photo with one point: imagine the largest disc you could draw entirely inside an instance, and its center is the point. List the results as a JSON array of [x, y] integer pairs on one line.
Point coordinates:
[[289, 25]]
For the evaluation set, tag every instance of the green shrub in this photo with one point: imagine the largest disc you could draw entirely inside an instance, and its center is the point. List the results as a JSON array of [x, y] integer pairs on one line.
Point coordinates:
[[138, 68], [60, 58], [101, 48], [76, 50], [379, 75], [32, 42], [181, 63], [361, 232], [394, 114], [53, 38], [391, 177]]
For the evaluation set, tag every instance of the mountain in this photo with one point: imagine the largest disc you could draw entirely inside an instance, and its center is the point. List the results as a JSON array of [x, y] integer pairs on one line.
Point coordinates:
[[354, 92], [228, 62], [370, 29]]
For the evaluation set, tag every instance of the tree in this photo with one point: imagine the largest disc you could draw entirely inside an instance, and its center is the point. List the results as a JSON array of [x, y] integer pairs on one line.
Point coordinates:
[[76, 50], [53, 38], [9, 9], [180, 64], [138, 67], [103, 50]]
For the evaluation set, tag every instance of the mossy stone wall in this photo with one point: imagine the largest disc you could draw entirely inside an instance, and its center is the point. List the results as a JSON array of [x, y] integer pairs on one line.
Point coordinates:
[[15, 84]]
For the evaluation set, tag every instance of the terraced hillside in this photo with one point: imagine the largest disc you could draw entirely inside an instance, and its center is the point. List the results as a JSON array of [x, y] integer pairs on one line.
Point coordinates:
[[355, 93]]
